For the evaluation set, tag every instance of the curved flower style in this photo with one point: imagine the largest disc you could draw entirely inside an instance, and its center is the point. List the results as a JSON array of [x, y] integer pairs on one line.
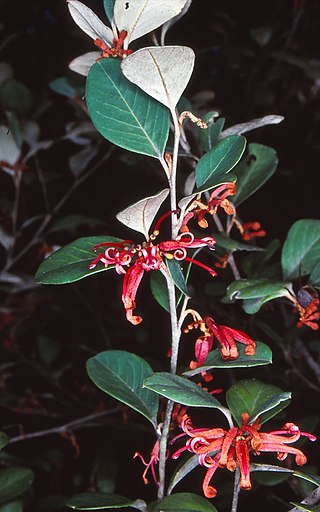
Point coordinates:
[[153, 461], [225, 335], [229, 449], [144, 257]]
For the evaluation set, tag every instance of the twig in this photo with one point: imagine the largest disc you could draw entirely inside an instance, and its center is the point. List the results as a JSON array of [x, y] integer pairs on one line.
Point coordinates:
[[313, 499], [67, 427], [48, 218]]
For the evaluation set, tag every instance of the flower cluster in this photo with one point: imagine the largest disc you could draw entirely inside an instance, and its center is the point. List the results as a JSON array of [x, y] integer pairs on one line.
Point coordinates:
[[133, 260], [225, 335], [219, 448]]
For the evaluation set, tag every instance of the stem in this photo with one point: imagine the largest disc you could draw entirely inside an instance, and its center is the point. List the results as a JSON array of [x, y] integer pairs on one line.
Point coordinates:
[[175, 334], [175, 330], [173, 175], [67, 427], [236, 490]]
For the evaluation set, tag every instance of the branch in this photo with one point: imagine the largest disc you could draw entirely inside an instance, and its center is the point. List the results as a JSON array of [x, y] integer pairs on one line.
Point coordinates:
[[67, 427]]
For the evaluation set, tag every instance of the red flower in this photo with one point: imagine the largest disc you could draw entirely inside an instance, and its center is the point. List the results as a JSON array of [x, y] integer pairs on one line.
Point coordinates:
[[146, 257], [218, 198], [229, 449], [225, 335]]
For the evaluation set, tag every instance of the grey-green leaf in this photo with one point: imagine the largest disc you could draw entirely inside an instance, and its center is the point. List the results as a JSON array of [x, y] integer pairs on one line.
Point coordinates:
[[301, 250], [220, 159], [71, 262], [121, 374], [123, 113]]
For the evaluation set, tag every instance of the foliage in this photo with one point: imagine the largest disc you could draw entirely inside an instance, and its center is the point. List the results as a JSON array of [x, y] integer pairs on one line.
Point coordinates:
[[185, 241]]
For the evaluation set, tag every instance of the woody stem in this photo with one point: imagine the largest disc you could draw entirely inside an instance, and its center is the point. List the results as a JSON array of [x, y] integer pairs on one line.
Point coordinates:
[[175, 330], [175, 335], [236, 490]]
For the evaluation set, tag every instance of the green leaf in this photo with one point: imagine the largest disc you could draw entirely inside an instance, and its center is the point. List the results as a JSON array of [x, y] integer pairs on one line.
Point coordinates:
[[184, 502], [301, 249], [256, 292], [4, 440], [254, 170], [221, 159], [176, 273], [257, 399], [233, 245], [14, 482], [12, 506], [102, 500], [181, 391], [208, 137], [123, 113], [159, 289], [262, 356], [71, 263], [15, 96], [121, 374]]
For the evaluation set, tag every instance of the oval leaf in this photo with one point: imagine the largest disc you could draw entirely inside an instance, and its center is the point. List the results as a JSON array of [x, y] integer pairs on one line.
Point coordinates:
[[71, 263], [121, 374], [163, 72], [138, 17], [182, 391], [257, 399], [301, 249], [101, 501], [184, 502], [140, 216], [89, 22], [14, 482], [221, 159], [254, 171], [262, 356], [258, 289], [123, 113]]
